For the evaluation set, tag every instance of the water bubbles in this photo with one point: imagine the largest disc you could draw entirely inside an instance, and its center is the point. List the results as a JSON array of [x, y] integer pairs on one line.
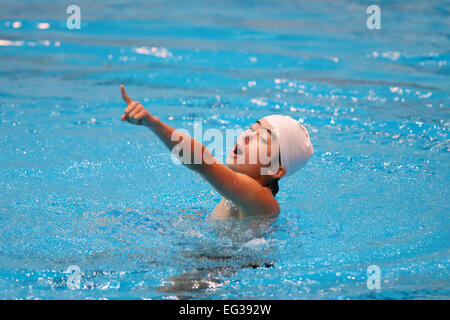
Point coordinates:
[[159, 52], [260, 102], [426, 95], [43, 25]]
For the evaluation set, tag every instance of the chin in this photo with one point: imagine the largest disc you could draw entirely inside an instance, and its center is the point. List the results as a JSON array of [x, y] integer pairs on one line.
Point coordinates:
[[232, 166], [246, 169]]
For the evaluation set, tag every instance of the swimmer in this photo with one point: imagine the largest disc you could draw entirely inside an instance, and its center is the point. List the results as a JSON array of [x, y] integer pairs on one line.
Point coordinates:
[[248, 187]]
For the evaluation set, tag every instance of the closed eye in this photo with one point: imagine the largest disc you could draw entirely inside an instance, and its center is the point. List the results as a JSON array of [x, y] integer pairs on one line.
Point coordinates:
[[268, 130]]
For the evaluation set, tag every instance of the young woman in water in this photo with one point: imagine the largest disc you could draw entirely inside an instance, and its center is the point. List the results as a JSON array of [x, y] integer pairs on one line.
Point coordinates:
[[248, 187]]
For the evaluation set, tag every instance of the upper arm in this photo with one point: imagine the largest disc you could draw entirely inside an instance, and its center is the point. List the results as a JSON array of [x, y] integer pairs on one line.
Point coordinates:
[[243, 190]]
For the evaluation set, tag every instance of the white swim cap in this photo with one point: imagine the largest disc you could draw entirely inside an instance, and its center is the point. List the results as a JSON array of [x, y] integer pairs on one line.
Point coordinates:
[[295, 145]]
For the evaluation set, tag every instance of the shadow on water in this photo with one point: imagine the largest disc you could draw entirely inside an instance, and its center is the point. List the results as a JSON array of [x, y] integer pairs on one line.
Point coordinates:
[[184, 254], [229, 247]]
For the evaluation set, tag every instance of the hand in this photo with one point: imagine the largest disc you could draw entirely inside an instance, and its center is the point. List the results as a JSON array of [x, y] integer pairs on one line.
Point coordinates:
[[135, 112]]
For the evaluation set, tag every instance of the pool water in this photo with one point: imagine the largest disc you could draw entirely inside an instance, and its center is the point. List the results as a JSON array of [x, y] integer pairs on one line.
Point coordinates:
[[80, 187]]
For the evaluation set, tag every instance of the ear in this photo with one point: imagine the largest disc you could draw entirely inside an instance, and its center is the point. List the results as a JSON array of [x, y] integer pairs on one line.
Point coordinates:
[[280, 173]]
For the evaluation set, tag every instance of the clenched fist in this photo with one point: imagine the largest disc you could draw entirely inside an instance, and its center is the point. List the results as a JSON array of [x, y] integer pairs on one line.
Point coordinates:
[[135, 112]]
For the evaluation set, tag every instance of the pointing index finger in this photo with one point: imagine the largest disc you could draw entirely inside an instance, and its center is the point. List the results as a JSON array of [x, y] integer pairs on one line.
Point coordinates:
[[125, 96]]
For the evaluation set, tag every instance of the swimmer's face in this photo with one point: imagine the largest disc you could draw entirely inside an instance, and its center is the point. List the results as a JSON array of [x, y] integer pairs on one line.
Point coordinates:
[[256, 152]]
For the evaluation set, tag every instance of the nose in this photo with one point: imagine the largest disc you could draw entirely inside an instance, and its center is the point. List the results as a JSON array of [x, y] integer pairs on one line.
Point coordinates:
[[249, 134], [245, 137]]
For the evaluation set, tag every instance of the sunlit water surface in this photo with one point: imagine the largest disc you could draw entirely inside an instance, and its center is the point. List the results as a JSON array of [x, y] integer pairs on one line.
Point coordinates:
[[79, 187]]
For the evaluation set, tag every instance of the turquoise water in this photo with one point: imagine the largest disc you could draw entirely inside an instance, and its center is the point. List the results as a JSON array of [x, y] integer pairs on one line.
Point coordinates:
[[79, 187]]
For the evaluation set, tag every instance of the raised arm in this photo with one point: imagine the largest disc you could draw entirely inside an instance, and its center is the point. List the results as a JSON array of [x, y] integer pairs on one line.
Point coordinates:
[[243, 190]]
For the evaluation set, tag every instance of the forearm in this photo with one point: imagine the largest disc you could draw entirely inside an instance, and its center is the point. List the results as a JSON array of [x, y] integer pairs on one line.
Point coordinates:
[[194, 154], [162, 131]]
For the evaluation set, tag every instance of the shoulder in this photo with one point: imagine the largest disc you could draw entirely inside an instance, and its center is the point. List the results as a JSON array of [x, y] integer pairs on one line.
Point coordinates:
[[266, 204]]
